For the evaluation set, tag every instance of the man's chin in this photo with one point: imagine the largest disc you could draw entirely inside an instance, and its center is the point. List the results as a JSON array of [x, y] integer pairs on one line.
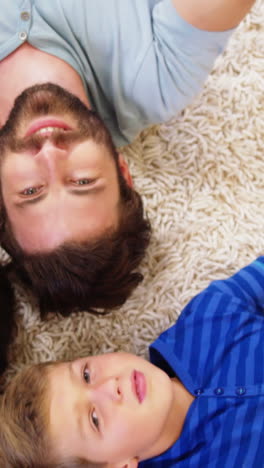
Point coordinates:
[[41, 101]]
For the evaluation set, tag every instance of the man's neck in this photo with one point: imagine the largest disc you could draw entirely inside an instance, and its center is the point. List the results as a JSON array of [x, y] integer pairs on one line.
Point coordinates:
[[28, 66]]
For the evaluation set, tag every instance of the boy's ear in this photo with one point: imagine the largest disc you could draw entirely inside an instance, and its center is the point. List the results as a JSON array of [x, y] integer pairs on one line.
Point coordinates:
[[125, 170], [132, 463]]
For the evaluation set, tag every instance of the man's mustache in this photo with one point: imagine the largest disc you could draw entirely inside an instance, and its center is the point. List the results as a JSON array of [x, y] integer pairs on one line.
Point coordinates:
[[58, 137]]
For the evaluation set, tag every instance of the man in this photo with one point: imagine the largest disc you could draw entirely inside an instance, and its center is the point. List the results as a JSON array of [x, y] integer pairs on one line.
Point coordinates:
[[70, 218]]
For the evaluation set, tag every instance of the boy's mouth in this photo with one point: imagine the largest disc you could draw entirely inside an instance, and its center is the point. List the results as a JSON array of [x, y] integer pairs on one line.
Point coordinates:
[[139, 385]]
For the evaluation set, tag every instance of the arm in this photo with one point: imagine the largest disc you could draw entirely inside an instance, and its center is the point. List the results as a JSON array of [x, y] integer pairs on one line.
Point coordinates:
[[213, 15], [143, 59]]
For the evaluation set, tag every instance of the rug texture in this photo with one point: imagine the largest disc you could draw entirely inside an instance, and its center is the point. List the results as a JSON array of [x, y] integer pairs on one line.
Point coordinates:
[[202, 179]]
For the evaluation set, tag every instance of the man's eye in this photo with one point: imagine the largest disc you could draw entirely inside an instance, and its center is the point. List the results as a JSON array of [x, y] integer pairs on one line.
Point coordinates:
[[86, 375], [83, 181], [30, 191], [95, 419]]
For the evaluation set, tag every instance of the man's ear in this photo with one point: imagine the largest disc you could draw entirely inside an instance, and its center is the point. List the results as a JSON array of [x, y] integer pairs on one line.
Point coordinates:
[[125, 170], [132, 463]]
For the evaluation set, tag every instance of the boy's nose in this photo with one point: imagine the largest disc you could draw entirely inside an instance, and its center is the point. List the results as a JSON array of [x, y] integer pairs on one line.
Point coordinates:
[[108, 389]]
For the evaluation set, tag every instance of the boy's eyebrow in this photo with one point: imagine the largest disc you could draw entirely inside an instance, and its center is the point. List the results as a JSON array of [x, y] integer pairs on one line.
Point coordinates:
[[79, 415]]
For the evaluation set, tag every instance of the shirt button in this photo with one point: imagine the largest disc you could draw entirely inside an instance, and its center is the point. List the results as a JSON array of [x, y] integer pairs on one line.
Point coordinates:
[[25, 16], [240, 391], [219, 391], [22, 35], [198, 391]]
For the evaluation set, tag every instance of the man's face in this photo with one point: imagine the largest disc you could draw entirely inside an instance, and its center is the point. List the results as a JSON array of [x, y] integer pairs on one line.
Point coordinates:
[[58, 183], [112, 408]]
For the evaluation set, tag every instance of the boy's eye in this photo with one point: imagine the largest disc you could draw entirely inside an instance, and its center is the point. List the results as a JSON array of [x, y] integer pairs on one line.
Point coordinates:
[[95, 420], [86, 375]]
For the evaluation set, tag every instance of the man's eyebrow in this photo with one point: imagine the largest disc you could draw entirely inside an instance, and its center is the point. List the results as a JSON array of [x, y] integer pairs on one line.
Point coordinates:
[[82, 192], [79, 192], [30, 201]]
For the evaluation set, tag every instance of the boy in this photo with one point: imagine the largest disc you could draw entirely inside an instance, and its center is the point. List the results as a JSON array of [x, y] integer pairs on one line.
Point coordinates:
[[199, 403]]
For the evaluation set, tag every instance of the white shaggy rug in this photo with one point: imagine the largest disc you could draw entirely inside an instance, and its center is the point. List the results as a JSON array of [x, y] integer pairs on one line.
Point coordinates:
[[202, 179]]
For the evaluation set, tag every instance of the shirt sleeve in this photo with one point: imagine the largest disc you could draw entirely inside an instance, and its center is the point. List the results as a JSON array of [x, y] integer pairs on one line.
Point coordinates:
[[143, 62], [246, 285], [176, 63]]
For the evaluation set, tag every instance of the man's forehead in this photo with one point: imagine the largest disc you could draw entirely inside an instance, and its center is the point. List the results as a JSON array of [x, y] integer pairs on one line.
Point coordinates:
[[65, 223]]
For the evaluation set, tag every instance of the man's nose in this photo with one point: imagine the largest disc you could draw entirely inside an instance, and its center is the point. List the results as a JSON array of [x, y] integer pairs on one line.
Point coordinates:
[[53, 159], [107, 389], [51, 151]]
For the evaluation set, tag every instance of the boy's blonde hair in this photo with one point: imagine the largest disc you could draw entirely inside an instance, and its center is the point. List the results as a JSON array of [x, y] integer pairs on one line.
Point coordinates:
[[24, 422]]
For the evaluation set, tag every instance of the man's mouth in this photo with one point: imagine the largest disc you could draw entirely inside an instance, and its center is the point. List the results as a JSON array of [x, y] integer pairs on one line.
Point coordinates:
[[46, 127], [139, 385]]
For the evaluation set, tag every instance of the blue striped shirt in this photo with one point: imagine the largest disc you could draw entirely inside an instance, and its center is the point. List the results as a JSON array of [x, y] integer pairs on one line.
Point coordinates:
[[216, 349]]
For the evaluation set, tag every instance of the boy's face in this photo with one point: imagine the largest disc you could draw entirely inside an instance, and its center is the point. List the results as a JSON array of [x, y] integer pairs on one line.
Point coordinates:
[[115, 408]]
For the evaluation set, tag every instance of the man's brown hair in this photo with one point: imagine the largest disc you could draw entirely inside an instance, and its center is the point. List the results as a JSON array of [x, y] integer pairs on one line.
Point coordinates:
[[96, 275]]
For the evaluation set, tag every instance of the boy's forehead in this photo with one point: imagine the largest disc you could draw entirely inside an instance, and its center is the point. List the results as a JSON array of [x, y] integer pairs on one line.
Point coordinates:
[[59, 369], [58, 381], [61, 398]]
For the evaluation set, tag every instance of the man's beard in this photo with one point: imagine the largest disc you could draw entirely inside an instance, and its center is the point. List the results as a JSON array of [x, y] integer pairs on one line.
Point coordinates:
[[49, 99]]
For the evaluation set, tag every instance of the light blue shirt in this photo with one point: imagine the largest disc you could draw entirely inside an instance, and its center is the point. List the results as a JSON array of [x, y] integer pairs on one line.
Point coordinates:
[[140, 62]]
